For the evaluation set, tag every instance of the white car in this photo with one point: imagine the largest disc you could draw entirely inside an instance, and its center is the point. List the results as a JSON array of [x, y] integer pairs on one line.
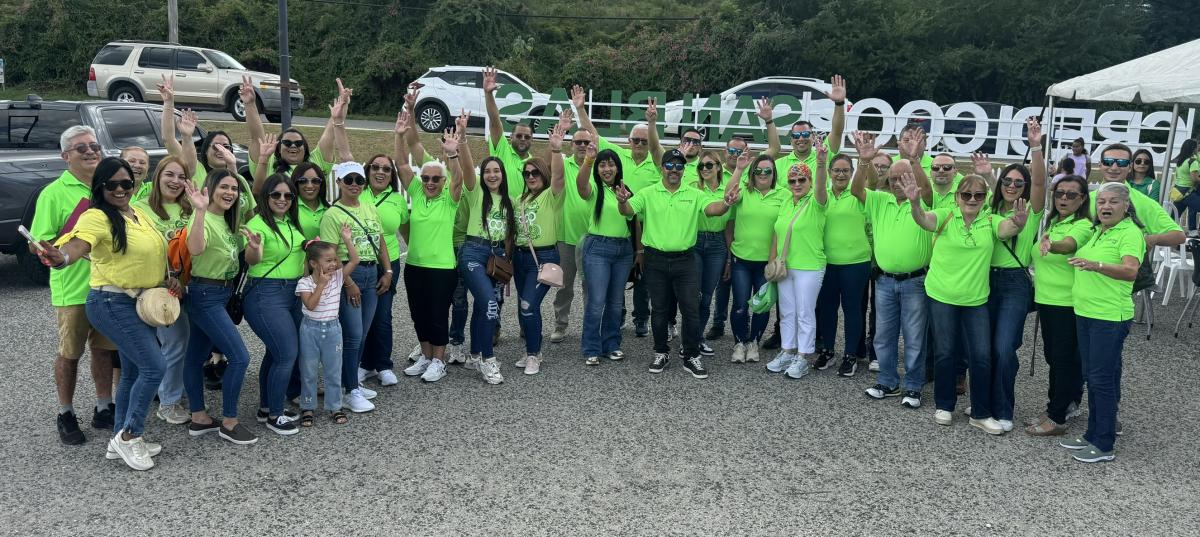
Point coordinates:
[[771, 86], [448, 89]]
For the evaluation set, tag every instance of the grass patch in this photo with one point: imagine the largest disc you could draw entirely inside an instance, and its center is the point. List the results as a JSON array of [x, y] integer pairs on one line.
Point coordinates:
[[50, 93]]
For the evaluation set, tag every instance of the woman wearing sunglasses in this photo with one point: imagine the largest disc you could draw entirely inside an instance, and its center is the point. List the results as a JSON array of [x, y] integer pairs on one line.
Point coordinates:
[[276, 258], [1106, 266], [1143, 179], [127, 254], [371, 278], [607, 255], [1068, 225], [752, 219], [844, 284], [712, 250], [802, 220], [293, 148], [957, 285], [312, 203], [1011, 286]]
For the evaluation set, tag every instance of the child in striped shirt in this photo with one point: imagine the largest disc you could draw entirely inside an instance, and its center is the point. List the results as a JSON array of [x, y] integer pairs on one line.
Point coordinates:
[[320, 292]]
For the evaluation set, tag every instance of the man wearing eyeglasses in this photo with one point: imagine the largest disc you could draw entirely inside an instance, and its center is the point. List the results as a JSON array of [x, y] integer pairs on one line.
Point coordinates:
[[512, 151], [1116, 161], [58, 206], [802, 131], [944, 178]]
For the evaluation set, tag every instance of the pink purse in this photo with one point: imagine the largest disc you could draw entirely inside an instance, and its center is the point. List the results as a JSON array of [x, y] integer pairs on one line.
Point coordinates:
[[548, 273]]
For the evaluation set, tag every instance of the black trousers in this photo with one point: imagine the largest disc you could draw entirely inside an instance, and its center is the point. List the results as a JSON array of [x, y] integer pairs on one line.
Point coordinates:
[[429, 292], [1062, 355], [672, 278]]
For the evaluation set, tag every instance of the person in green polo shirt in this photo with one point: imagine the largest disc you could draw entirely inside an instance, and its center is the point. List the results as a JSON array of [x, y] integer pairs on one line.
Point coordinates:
[[712, 251], [1106, 266], [275, 255], [293, 147], [1160, 229], [957, 286], [1068, 225], [671, 213], [752, 221], [384, 187], [802, 134], [1187, 201], [57, 208], [512, 151]]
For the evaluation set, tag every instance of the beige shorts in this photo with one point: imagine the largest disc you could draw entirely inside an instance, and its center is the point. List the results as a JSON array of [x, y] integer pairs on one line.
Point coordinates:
[[74, 330]]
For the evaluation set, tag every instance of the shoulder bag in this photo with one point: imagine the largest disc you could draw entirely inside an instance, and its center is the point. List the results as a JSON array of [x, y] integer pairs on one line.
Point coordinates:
[[380, 270], [776, 269], [548, 273]]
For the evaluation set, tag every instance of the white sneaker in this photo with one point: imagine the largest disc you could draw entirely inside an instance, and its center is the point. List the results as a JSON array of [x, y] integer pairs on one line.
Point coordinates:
[[472, 363], [752, 352], [521, 362], [798, 369], [456, 354], [782, 362], [987, 425], [416, 353], [418, 367], [151, 448], [490, 370], [873, 366], [672, 331], [533, 365], [387, 377], [739, 354], [559, 334], [1007, 425], [357, 402], [134, 452], [434, 372], [367, 392], [363, 375], [943, 417], [174, 414]]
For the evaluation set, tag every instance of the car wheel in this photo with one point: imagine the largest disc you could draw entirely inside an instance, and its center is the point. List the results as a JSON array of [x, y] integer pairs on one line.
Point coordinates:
[[33, 267], [236, 108], [431, 117], [124, 93]]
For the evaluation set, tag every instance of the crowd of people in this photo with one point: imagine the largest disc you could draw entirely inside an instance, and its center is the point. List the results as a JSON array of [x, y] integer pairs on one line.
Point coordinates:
[[306, 248]]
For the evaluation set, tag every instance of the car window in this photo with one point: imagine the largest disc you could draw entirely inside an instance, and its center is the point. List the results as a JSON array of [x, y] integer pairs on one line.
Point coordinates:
[[755, 90], [35, 128], [468, 79], [187, 60], [129, 127], [502, 79], [113, 55], [222, 60], [155, 58], [798, 91]]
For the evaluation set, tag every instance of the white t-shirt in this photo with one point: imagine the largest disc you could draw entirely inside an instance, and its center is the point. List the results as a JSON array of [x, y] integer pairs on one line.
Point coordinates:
[[331, 297]]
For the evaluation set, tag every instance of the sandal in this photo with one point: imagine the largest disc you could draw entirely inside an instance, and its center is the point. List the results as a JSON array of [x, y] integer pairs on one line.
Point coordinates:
[[1046, 428], [338, 417], [306, 419]]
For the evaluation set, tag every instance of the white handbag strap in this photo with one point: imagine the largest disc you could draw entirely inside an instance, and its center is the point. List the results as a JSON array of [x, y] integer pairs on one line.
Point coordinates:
[[792, 225]]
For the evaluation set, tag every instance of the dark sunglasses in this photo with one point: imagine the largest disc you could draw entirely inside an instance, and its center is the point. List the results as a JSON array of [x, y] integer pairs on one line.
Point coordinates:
[[674, 166], [522, 136], [735, 151], [82, 149], [798, 181], [941, 167], [291, 143], [801, 134], [306, 180], [354, 179], [1109, 161], [282, 195], [707, 165], [1060, 194], [431, 178], [1008, 181], [764, 171], [1141, 161], [228, 147], [125, 184], [638, 141], [581, 143], [530, 173], [977, 196], [377, 168], [689, 139]]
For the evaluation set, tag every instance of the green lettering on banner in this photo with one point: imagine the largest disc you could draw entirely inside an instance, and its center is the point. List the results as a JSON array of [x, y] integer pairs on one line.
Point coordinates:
[[559, 99], [519, 108], [783, 123], [641, 97], [743, 121], [612, 129], [710, 112]]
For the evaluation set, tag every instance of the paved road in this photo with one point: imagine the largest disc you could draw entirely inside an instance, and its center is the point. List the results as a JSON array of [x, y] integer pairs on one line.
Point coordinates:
[[307, 121], [606, 450]]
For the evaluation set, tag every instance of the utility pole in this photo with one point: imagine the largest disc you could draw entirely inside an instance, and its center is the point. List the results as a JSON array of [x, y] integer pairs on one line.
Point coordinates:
[[285, 79], [173, 21]]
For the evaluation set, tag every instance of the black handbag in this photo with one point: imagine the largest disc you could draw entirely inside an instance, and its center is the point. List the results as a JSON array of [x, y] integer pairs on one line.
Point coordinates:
[[1024, 270], [235, 307]]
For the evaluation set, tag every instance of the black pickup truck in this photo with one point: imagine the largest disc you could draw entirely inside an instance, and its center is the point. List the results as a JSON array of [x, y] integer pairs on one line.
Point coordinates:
[[30, 157]]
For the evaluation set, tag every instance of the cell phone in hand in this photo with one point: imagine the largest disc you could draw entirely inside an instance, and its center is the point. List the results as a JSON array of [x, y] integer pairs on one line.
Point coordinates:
[[25, 233]]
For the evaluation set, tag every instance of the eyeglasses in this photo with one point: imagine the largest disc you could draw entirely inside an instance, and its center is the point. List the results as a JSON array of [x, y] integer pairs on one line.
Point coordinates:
[[707, 165], [764, 171], [1016, 183], [968, 196], [378, 168], [530, 173], [1109, 161], [125, 184], [82, 149], [802, 134], [674, 166], [692, 140], [1141, 161], [638, 141], [735, 151], [798, 181], [291, 143], [581, 143], [1062, 194], [306, 180], [431, 178], [282, 196], [841, 171], [228, 147], [522, 136], [941, 167], [354, 179]]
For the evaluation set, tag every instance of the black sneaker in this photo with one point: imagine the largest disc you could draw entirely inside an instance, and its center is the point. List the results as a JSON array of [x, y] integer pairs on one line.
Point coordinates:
[[695, 367], [103, 419], [239, 435], [772, 343], [849, 366], [68, 430], [824, 360], [716, 332], [263, 416], [880, 391], [705, 350], [198, 429], [661, 359], [912, 399], [283, 425], [641, 328]]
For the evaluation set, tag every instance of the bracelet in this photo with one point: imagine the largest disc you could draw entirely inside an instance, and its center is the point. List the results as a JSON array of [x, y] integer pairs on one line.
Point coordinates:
[[556, 150], [452, 157], [389, 271], [727, 204], [1101, 267], [839, 103], [1035, 149], [66, 259], [640, 252], [769, 122], [342, 124]]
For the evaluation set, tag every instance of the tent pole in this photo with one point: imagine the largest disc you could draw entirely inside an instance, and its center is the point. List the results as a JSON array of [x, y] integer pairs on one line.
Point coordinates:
[[1165, 194], [1048, 151]]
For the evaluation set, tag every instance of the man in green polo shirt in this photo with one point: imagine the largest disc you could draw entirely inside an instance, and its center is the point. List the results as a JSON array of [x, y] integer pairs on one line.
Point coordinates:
[[670, 214], [802, 131], [944, 178], [1159, 227], [57, 208], [512, 151]]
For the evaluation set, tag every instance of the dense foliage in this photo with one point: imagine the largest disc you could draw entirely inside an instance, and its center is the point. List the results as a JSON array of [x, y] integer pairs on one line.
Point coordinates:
[[947, 51]]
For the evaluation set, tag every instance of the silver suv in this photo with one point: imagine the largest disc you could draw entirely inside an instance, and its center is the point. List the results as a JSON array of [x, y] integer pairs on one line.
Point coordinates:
[[205, 79]]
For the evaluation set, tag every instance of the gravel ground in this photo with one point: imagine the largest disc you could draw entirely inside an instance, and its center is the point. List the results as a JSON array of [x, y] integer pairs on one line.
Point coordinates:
[[606, 450]]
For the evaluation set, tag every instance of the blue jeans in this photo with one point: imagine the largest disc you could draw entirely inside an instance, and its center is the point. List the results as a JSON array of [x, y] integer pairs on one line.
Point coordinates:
[[1008, 304], [606, 264], [721, 309], [902, 308], [321, 342], [485, 294], [711, 254], [458, 306], [354, 321], [1189, 206], [531, 293], [1100, 344], [273, 312], [747, 277], [142, 363], [211, 327], [173, 341], [971, 324], [377, 349], [843, 285]]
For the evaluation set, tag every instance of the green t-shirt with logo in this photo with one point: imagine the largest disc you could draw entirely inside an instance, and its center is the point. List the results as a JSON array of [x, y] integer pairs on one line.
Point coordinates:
[[497, 223], [513, 164], [431, 228], [288, 249], [364, 233], [960, 266], [1098, 296], [538, 218], [1053, 277], [55, 205], [219, 260], [167, 226], [806, 218], [754, 218]]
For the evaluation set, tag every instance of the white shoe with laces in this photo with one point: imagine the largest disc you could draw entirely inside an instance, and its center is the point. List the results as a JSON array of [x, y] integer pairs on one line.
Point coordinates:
[[174, 414], [782, 362], [456, 354], [151, 448], [798, 369], [434, 371], [418, 368], [367, 392], [357, 402], [752, 352], [133, 451], [364, 374], [387, 377], [490, 370], [533, 365], [521, 362], [416, 353], [739, 354], [472, 363]]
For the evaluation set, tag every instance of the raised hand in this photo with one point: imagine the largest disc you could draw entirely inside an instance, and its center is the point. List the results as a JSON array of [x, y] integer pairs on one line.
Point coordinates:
[[166, 88], [460, 123], [592, 150], [864, 142], [822, 150], [187, 124], [578, 96], [557, 133], [246, 91], [623, 194], [450, 141], [266, 147], [732, 196], [402, 122], [743, 161], [1020, 213], [685, 147], [1034, 134], [253, 240], [410, 98], [837, 93], [912, 146], [197, 196], [909, 182], [651, 110], [489, 79], [346, 236], [765, 110], [982, 165], [226, 157]]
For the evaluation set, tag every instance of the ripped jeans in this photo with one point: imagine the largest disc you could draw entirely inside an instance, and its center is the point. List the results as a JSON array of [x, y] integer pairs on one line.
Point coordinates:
[[485, 293], [530, 293]]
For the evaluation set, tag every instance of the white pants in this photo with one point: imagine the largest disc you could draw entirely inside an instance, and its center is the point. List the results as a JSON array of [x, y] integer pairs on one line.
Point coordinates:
[[797, 309]]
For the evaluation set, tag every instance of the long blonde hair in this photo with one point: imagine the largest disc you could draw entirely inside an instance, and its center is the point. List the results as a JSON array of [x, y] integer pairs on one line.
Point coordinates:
[[156, 197]]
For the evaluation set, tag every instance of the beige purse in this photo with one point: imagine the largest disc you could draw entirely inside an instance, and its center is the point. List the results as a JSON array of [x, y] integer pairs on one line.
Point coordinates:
[[548, 273], [776, 269]]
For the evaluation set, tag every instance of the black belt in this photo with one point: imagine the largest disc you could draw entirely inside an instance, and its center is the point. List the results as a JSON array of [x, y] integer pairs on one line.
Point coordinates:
[[1005, 269], [905, 275], [720, 233], [210, 281], [606, 238], [656, 251], [367, 263], [525, 247], [479, 240]]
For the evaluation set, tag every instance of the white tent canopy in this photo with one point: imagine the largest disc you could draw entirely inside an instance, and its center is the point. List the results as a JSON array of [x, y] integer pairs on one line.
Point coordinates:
[[1167, 76]]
